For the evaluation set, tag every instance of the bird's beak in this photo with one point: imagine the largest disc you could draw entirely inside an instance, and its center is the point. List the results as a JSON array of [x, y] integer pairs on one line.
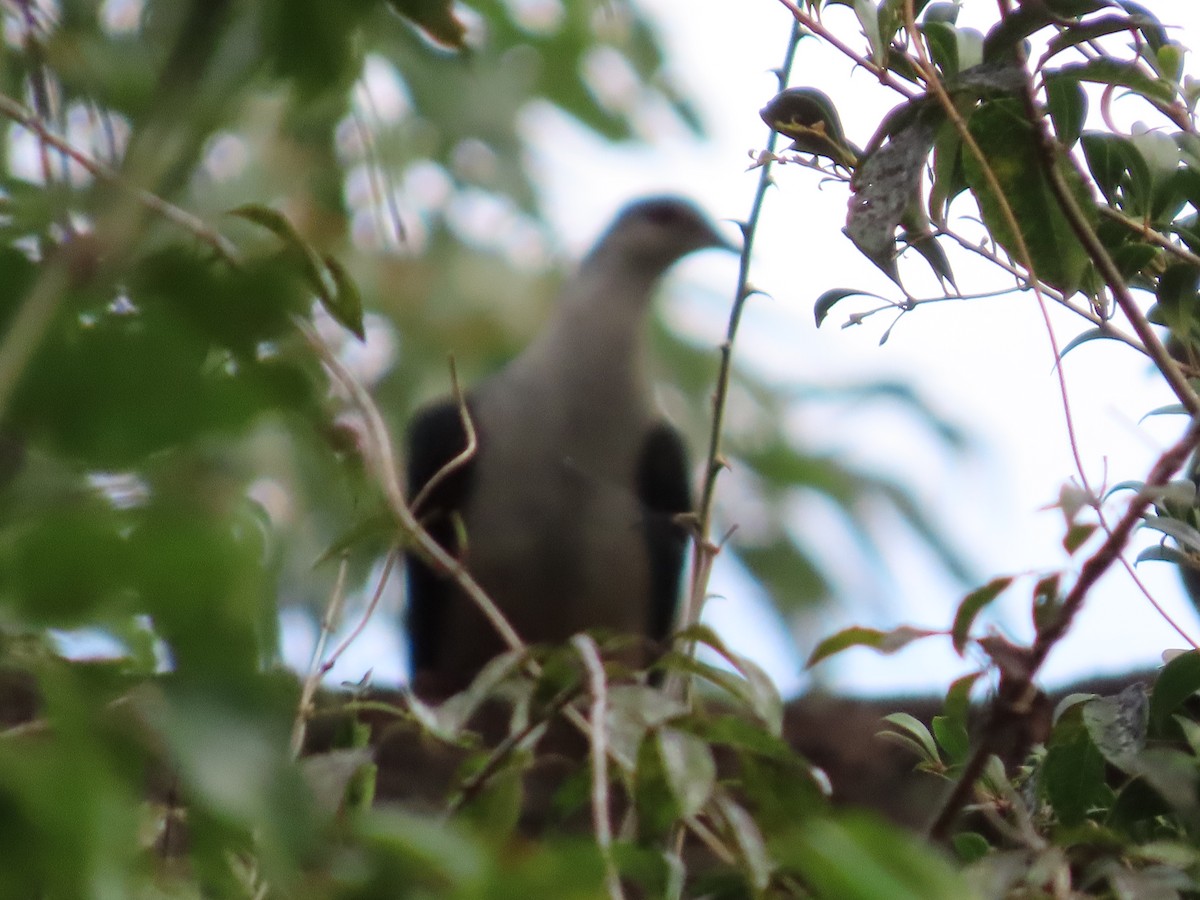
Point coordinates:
[[720, 242]]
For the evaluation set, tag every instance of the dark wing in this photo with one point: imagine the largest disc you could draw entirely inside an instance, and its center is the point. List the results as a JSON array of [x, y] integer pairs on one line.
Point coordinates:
[[435, 436], [664, 490]]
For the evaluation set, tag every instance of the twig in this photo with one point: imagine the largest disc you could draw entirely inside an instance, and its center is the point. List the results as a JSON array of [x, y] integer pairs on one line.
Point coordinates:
[[468, 790], [705, 550], [598, 716], [333, 612], [223, 247], [818, 28], [462, 458], [341, 648], [380, 460], [1151, 235], [1166, 616]]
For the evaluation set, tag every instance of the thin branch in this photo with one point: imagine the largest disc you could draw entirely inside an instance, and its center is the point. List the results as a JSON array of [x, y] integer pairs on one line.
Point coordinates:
[[460, 460], [333, 612], [601, 826], [376, 596], [1132, 572], [1153, 236], [381, 461], [223, 247], [705, 550], [817, 27]]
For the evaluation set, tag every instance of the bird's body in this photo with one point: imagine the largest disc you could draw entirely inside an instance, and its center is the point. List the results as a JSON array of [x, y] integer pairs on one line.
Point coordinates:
[[568, 506]]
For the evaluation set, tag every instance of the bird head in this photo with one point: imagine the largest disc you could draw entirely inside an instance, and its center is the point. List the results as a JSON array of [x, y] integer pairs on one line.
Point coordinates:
[[656, 232]]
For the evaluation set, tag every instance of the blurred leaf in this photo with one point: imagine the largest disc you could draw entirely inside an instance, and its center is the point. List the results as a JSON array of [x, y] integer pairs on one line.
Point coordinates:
[[1106, 70], [1178, 681], [1117, 725], [1073, 771], [1068, 107], [857, 636], [971, 605], [912, 727], [856, 857], [436, 18], [689, 768]]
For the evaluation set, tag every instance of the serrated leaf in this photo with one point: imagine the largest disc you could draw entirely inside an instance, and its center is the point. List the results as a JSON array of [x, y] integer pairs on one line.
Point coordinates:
[[971, 605]]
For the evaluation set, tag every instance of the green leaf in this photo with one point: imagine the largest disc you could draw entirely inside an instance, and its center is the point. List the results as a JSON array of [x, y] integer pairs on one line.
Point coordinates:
[[913, 727], [868, 18], [752, 847], [754, 687], [1187, 535], [970, 846], [970, 607], [942, 39], [345, 302], [1119, 171], [1106, 70], [1178, 680], [857, 636], [1077, 535], [952, 737], [279, 225], [1068, 107], [858, 857], [1073, 770], [325, 276], [1007, 142]]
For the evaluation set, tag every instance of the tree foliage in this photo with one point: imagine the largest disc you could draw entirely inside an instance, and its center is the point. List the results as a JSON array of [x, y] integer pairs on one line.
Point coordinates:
[[222, 219]]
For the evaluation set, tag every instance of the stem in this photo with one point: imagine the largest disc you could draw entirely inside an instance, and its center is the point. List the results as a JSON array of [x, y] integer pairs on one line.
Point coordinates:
[[705, 549]]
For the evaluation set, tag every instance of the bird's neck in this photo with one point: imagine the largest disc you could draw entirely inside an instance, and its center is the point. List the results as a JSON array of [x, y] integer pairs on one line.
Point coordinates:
[[598, 331]]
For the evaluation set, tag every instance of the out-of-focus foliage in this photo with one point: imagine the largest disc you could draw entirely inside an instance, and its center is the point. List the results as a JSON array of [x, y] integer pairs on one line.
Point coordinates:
[[183, 185]]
